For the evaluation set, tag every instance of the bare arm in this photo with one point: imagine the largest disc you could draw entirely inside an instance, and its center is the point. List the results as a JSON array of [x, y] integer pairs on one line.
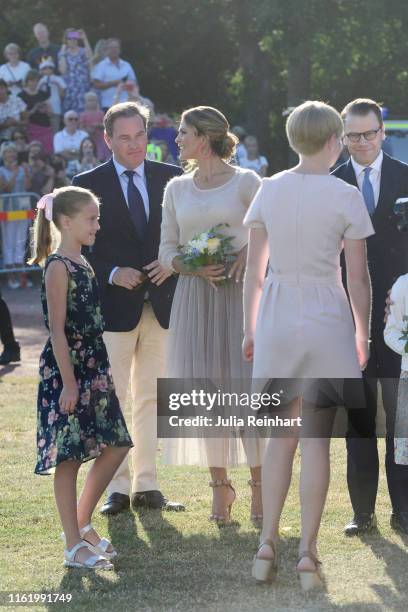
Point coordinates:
[[258, 254], [27, 177], [359, 287], [56, 287], [87, 46], [62, 62], [263, 170], [8, 186]]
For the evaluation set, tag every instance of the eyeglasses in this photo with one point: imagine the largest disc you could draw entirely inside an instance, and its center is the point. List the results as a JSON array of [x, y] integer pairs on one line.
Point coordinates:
[[72, 118], [356, 136]]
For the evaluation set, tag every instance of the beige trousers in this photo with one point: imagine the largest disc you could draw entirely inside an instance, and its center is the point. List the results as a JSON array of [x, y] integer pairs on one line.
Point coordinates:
[[138, 354]]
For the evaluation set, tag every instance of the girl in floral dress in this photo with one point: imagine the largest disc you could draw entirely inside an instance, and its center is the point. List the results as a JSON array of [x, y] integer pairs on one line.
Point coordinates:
[[396, 337], [79, 417]]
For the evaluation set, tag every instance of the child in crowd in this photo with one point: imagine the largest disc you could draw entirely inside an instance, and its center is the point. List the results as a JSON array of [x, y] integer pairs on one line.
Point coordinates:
[[14, 178], [253, 160], [79, 417], [57, 88], [91, 121], [396, 337]]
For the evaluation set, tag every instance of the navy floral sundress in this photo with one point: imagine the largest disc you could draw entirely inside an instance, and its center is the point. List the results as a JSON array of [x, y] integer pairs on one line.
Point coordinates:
[[76, 79], [97, 421]]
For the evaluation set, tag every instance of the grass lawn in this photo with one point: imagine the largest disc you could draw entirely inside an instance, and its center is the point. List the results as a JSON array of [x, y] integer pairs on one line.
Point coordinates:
[[171, 561]]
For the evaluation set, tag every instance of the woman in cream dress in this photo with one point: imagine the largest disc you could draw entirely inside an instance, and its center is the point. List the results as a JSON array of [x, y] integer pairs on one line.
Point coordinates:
[[206, 326], [298, 322]]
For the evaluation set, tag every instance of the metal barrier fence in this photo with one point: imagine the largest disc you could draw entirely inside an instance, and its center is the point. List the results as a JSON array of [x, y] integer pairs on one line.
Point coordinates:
[[16, 207]]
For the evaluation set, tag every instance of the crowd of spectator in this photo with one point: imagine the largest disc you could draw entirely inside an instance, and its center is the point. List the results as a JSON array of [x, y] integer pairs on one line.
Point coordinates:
[[52, 106]]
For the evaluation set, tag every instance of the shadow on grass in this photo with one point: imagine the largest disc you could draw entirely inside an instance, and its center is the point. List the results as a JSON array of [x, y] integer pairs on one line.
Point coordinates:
[[191, 572], [159, 568], [8, 369], [395, 559], [166, 566]]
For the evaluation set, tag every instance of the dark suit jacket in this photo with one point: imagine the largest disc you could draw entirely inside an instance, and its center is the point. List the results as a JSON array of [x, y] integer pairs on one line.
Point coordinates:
[[117, 244], [387, 249]]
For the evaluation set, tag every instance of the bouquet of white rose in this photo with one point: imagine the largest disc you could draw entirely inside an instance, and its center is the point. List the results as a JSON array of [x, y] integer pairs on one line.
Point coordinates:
[[208, 248]]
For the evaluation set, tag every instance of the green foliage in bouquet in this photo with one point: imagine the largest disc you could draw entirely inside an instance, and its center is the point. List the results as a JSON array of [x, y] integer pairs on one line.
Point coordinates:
[[208, 248]]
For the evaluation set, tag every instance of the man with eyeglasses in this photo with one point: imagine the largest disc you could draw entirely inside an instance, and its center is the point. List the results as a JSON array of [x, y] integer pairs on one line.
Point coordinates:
[[68, 140], [381, 180]]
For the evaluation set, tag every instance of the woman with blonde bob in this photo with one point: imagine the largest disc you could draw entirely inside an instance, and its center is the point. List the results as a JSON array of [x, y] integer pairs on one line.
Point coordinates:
[[298, 322], [205, 331]]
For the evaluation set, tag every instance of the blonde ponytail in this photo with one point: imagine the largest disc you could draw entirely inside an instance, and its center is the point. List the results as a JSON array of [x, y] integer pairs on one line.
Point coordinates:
[[43, 239], [44, 234]]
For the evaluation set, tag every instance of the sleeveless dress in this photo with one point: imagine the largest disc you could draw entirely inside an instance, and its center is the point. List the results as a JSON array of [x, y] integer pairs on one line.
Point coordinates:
[[97, 421]]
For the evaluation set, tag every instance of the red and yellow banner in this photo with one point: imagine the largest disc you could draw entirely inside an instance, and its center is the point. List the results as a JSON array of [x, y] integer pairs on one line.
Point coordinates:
[[17, 215]]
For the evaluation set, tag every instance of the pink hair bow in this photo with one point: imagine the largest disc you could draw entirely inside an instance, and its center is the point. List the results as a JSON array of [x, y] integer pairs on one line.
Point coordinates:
[[46, 203]]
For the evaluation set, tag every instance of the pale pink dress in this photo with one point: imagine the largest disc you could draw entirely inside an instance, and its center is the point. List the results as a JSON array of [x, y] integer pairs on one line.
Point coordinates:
[[305, 327]]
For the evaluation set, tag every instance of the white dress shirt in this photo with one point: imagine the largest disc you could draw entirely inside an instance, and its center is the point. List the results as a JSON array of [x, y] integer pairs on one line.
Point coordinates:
[[64, 140], [139, 179], [375, 175], [106, 71]]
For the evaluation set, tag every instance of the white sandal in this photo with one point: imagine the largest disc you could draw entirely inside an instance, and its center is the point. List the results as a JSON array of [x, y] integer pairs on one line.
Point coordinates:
[[101, 547], [90, 563]]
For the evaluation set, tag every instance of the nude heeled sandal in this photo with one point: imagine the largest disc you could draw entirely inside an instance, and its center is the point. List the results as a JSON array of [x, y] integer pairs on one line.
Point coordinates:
[[255, 518], [310, 579], [264, 570], [219, 518]]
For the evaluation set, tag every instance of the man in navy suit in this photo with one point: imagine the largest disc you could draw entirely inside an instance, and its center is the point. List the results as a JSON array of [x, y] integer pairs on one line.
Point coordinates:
[[136, 293], [382, 180]]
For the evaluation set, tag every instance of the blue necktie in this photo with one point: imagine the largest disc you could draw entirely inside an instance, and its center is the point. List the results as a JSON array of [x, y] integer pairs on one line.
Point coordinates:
[[368, 192], [136, 206]]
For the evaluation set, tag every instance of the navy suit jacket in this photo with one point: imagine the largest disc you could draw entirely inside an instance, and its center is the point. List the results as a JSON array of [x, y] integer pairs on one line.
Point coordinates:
[[117, 244], [387, 249]]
